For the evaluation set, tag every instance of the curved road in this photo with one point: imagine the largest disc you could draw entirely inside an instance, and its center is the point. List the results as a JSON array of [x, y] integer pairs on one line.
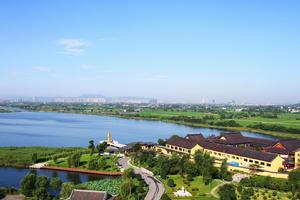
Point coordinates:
[[156, 188]]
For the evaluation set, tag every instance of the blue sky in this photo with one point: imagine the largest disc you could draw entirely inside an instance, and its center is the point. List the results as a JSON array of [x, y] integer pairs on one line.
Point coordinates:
[[172, 50]]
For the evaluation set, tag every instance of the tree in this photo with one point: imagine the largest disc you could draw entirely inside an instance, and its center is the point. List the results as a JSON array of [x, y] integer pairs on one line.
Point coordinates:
[[227, 192], [34, 157], [165, 197], [161, 142], [171, 183], [2, 194], [74, 160], [93, 163], [128, 174], [102, 163], [28, 184], [41, 185], [56, 184], [126, 188], [66, 189], [101, 147], [91, 146], [223, 170], [294, 180]]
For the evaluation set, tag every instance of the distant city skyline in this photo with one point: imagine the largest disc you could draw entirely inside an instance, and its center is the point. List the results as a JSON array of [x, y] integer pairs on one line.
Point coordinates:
[[178, 51]]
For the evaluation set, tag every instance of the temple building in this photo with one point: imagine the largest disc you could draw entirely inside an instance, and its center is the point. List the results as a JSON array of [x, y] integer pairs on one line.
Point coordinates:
[[238, 150], [112, 143]]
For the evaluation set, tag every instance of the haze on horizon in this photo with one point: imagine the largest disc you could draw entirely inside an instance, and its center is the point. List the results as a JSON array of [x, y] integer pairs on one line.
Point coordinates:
[[171, 50]]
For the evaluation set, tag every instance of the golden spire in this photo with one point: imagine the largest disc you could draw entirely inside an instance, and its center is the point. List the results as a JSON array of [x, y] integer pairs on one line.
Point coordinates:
[[108, 137]]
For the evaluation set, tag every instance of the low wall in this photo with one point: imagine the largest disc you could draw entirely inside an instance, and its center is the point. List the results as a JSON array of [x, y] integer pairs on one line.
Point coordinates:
[[261, 173]]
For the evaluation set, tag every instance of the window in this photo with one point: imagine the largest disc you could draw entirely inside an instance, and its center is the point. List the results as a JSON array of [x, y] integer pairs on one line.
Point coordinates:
[[237, 158], [176, 148], [215, 153], [268, 164], [245, 159], [262, 163], [172, 147], [189, 151], [251, 161], [180, 149], [219, 154], [256, 162], [233, 157]]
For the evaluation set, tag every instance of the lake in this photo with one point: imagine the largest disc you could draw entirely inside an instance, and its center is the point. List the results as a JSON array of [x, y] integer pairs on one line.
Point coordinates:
[[60, 129], [11, 177]]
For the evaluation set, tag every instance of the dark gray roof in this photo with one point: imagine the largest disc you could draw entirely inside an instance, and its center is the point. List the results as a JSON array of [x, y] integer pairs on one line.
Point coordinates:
[[88, 195]]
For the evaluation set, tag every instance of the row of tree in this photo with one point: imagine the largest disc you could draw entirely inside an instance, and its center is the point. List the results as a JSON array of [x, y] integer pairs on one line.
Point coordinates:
[[201, 165], [37, 186]]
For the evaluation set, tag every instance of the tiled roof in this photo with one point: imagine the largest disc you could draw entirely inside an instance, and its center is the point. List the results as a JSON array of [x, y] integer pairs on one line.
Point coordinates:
[[181, 142], [261, 142], [290, 145], [87, 195], [189, 144], [195, 137], [233, 138], [240, 152]]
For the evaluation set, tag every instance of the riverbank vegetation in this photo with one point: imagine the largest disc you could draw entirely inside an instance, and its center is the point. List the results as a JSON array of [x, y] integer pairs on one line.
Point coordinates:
[[273, 120], [25, 156], [87, 161], [4, 111]]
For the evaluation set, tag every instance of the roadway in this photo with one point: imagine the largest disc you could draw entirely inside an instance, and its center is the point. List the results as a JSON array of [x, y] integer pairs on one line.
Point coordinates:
[[156, 188]]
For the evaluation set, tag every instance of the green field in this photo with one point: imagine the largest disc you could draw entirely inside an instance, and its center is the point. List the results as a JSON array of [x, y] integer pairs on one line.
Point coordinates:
[[168, 114], [22, 156], [110, 162], [289, 120], [197, 188]]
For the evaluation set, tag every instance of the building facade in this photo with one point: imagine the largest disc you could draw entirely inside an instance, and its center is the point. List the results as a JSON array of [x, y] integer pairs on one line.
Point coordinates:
[[240, 153]]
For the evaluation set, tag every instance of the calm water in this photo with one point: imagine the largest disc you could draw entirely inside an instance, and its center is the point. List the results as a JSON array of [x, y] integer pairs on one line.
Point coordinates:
[[58, 129], [11, 177]]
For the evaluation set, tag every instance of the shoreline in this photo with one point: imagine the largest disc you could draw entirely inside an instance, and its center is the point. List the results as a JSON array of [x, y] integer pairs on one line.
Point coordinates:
[[275, 135]]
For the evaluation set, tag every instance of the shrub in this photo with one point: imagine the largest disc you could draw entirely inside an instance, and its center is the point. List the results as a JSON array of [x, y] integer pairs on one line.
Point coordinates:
[[227, 192], [171, 183], [165, 197], [189, 177]]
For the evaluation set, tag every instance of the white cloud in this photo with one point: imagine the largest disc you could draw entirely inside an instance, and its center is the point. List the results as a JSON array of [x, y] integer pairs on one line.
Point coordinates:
[[74, 46], [42, 69]]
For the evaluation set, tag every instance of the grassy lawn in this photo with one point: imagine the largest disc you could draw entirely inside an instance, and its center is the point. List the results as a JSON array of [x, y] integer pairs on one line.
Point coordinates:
[[260, 193], [197, 188], [167, 114], [288, 120], [22, 156], [110, 165]]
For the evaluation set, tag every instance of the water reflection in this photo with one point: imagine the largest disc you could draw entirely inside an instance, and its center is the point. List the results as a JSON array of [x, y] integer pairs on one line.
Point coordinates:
[[11, 177]]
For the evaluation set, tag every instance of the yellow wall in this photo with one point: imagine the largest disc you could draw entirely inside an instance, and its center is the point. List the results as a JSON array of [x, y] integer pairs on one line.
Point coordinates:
[[273, 166], [271, 174], [297, 159]]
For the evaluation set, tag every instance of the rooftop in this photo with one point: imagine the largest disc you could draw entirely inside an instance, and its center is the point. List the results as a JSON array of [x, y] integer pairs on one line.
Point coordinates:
[[87, 195]]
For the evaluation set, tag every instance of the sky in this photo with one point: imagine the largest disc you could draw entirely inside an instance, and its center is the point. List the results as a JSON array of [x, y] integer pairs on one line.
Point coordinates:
[[175, 50]]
